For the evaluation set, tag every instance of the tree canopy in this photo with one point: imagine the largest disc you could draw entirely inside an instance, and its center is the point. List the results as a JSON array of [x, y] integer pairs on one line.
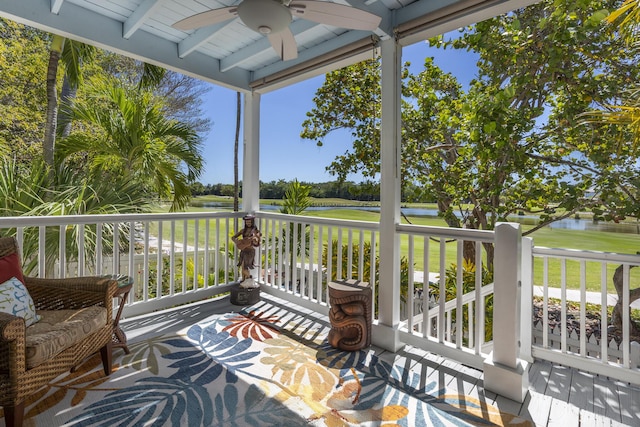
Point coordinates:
[[513, 141], [22, 90], [124, 132], [126, 120]]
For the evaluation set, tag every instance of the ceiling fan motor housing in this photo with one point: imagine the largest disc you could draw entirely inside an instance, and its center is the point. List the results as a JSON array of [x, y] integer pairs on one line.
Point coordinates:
[[264, 16]]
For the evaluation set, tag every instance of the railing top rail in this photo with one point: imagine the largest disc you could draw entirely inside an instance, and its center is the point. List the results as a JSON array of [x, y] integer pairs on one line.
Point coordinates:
[[578, 254], [27, 221], [458, 233], [366, 225]]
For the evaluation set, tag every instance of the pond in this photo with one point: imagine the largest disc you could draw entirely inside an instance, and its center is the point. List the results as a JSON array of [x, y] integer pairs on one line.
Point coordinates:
[[565, 224]]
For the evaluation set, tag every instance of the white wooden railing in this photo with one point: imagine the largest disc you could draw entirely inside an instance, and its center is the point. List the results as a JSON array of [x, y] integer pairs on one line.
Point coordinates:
[[439, 324], [300, 272], [184, 257], [567, 340], [174, 258]]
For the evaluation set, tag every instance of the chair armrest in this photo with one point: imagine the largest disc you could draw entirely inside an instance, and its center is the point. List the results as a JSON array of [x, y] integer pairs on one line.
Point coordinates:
[[11, 327], [12, 345], [72, 293]]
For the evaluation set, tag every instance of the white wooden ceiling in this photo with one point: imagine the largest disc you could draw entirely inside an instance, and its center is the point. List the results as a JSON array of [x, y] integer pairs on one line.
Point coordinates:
[[230, 54]]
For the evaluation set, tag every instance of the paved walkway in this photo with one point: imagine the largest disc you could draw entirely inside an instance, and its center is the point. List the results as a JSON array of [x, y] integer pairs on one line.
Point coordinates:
[[574, 295]]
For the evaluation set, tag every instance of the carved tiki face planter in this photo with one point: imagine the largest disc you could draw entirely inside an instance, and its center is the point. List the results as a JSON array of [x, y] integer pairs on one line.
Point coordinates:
[[350, 315]]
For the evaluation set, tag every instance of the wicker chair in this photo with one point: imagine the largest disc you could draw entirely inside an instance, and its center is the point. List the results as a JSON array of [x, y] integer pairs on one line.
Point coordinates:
[[85, 296]]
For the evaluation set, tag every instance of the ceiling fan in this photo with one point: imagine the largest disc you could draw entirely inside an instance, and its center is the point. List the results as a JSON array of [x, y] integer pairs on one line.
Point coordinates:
[[272, 18]]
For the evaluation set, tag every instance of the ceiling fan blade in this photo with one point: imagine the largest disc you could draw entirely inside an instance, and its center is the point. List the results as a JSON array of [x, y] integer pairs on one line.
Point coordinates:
[[209, 17], [284, 44], [335, 14]]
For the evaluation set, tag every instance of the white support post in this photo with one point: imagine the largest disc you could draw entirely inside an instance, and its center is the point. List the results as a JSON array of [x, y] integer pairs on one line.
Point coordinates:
[[526, 300], [385, 333], [251, 154], [504, 372]]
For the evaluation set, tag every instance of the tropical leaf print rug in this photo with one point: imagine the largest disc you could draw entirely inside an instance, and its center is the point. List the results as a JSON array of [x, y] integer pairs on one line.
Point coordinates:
[[251, 368]]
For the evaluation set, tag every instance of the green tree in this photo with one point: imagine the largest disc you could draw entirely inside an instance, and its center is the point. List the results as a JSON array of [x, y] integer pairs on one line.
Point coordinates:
[[124, 133], [625, 112], [511, 141], [27, 190], [22, 110], [624, 22], [183, 95], [72, 53], [296, 199]]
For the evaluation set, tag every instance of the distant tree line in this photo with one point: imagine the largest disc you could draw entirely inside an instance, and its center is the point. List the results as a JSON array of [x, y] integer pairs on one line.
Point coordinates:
[[366, 191]]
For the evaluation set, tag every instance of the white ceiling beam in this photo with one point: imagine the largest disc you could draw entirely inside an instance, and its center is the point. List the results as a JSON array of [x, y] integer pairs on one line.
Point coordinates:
[[198, 38], [138, 17], [318, 50], [81, 24], [236, 59], [56, 5], [385, 29], [344, 55]]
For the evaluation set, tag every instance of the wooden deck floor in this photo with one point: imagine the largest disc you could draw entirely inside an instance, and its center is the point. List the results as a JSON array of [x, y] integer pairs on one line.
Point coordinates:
[[558, 396]]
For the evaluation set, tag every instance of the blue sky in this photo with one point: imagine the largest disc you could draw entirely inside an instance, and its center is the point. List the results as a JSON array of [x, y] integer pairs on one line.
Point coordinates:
[[283, 154]]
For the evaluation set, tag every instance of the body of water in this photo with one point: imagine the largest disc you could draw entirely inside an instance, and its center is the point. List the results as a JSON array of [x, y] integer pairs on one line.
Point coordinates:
[[565, 224]]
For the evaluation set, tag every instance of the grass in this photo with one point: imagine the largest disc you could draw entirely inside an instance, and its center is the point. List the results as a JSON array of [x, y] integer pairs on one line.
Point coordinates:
[[554, 238]]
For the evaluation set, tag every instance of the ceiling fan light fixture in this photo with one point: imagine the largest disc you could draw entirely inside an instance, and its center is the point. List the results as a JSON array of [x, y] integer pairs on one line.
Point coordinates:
[[260, 15]]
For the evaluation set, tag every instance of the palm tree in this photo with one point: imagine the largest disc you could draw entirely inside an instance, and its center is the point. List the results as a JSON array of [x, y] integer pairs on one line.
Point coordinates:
[[124, 133], [72, 54], [626, 19], [29, 191], [236, 186]]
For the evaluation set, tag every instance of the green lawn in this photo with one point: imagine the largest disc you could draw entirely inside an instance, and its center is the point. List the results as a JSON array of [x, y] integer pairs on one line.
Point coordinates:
[[553, 238]]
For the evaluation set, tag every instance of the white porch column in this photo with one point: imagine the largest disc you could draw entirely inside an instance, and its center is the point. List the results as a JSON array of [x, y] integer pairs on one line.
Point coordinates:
[[504, 372], [251, 153], [385, 334], [526, 300]]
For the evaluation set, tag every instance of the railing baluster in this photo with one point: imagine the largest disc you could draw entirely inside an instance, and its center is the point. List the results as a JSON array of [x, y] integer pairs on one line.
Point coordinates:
[[349, 254], [361, 255], [480, 301], [329, 261], [319, 273], [339, 259], [196, 261], [626, 314], [62, 252], [583, 308], [604, 314], [159, 259], [81, 258], [145, 266], [545, 310], [563, 305], [309, 271], [207, 253], [172, 259], [411, 290], [99, 249], [426, 288], [459, 292], [41, 251], [443, 291]]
